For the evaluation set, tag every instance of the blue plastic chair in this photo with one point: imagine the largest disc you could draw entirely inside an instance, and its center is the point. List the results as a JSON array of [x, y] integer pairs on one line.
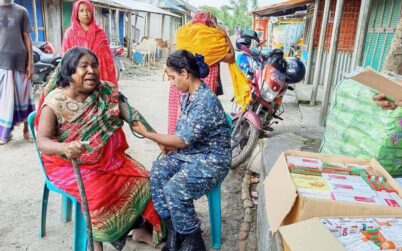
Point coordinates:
[[80, 235], [214, 204]]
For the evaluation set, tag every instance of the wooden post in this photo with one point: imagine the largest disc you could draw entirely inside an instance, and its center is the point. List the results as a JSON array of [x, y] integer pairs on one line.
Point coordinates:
[[129, 35], [172, 32], [320, 52], [331, 61], [148, 24], [117, 25], [110, 25], [163, 27], [360, 33], [35, 20], [310, 47]]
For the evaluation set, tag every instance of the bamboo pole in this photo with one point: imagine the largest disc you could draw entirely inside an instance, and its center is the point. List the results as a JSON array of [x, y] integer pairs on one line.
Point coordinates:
[[331, 61], [310, 47], [320, 52], [35, 20], [361, 33]]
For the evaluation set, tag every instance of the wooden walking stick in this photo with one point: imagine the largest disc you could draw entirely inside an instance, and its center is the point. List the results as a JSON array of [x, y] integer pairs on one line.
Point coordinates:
[[84, 203]]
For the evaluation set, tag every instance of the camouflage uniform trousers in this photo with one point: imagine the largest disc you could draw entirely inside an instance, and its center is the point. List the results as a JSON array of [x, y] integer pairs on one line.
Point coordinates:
[[176, 183]]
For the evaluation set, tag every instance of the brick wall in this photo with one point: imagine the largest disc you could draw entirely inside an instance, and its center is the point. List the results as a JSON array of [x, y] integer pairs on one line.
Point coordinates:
[[347, 32]]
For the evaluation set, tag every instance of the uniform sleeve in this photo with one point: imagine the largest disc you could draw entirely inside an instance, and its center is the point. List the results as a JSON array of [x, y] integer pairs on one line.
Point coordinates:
[[197, 124], [25, 22]]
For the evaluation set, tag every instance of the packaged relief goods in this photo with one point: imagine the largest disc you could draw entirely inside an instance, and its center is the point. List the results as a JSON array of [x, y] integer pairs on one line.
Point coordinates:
[[344, 233], [290, 200]]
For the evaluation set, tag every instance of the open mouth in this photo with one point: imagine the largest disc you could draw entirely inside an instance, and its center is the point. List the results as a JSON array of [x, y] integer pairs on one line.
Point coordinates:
[[92, 80]]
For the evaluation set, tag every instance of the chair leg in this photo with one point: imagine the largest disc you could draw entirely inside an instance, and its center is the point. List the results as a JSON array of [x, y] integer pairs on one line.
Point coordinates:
[[214, 203], [80, 234], [45, 198], [65, 209]]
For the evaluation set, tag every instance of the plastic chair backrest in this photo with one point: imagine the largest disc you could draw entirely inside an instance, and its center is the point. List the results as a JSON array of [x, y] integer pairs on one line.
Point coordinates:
[[229, 119], [31, 119]]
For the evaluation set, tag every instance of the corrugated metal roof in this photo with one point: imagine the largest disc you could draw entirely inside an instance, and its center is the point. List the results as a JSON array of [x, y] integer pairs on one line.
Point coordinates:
[[143, 7], [168, 4], [273, 8], [110, 3]]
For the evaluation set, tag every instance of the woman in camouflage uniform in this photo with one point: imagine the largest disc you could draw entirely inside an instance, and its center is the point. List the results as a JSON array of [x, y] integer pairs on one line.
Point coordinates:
[[198, 155]]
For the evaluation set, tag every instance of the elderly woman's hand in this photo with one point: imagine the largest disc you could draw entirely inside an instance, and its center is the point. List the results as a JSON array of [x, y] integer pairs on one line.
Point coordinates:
[[73, 149], [385, 104], [139, 128]]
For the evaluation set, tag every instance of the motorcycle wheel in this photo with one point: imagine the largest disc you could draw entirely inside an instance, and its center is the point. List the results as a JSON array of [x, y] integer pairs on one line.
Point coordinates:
[[243, 142]]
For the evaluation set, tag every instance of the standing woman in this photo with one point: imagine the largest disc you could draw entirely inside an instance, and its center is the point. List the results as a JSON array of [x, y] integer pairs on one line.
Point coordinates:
[[16, 68], [200, 153], [85, 32]]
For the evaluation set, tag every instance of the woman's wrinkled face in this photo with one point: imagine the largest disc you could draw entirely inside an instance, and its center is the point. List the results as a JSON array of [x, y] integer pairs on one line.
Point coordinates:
[[180, 80], [86, 76], [84, 14]]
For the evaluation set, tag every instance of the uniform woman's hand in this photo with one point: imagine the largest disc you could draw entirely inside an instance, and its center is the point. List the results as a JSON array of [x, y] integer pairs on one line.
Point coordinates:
[[73, 149], [139, 128]]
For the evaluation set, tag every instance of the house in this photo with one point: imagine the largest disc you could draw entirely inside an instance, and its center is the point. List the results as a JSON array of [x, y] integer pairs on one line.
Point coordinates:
[[51, 18], [339, 36]]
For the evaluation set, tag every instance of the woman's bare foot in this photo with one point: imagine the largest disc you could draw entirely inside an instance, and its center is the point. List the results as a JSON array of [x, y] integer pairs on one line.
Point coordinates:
[[142, 235], [27, 136]]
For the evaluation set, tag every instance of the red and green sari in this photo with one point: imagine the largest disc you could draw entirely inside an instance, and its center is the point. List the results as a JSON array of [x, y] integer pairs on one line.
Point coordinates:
[[116, 185]]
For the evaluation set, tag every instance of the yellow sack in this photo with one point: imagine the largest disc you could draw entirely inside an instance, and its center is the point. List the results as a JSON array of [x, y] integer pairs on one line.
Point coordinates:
[[211, 43]]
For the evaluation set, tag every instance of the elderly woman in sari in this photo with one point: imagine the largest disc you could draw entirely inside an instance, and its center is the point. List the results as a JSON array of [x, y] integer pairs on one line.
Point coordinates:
[[78, 107]]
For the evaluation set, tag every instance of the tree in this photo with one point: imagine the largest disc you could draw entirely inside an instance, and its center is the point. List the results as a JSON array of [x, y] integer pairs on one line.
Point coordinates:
[[393, 61], [237, 13]]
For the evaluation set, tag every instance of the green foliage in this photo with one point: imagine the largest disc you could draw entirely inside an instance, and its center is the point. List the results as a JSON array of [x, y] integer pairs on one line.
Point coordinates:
[[237, 13]]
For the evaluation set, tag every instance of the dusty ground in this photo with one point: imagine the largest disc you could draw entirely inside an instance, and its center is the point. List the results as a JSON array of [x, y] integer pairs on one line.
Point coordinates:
[[22, 180]]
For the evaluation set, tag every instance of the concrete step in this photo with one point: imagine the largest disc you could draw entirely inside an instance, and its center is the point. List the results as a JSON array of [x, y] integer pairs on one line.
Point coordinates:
[[303, 93]]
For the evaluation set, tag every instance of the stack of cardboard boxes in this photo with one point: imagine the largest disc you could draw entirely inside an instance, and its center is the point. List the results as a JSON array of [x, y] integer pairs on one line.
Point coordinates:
[[303, 185]]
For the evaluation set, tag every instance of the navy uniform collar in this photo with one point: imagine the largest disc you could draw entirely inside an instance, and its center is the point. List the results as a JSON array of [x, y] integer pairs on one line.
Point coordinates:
[[196, 93]]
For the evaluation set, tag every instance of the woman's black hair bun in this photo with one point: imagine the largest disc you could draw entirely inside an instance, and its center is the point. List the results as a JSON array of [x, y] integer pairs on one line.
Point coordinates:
[[202, 66]]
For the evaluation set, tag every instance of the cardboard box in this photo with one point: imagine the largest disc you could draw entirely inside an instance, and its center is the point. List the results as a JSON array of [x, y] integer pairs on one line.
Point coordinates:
[[284, 205], [381, 83], [311, 235]]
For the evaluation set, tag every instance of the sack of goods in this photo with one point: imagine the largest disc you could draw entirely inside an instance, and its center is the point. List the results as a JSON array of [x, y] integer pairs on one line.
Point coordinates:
[[356, 126]]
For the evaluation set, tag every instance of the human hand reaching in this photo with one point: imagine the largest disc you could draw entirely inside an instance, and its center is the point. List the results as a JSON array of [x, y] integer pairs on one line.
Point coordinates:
[[384, 103]]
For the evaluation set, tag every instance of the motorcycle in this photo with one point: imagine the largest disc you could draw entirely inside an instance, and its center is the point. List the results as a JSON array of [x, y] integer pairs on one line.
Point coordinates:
[[269, 77], [45, 61], [117, 51]]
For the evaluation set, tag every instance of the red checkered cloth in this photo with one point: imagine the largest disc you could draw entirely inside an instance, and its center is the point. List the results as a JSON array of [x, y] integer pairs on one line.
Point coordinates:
[[212, 79], [173, 108], [175, 96]]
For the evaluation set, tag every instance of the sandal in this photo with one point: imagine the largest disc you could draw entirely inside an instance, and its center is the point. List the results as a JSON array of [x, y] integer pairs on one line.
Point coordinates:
[[3, 142]]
